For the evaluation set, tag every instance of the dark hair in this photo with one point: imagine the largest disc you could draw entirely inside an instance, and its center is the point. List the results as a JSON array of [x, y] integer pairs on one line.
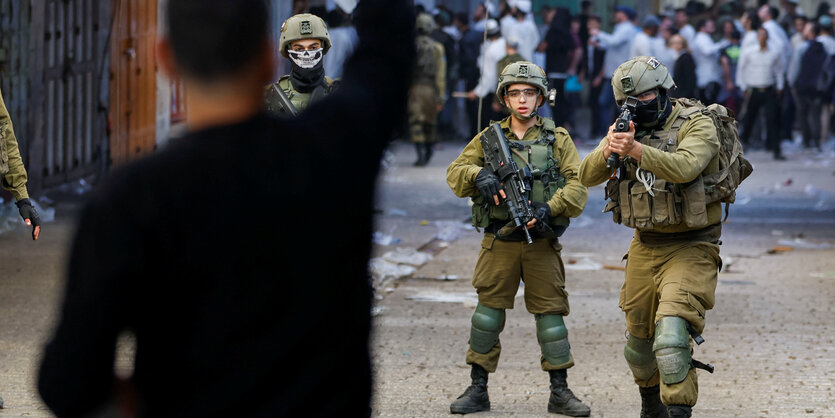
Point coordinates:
[[463, 17], [701, 24], [754, 19], [774, 12], [735, 34], [213, 39]]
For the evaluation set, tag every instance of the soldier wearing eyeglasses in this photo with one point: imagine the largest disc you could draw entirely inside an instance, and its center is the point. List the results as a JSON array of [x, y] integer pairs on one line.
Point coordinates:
[[556, 196], [304, 41]]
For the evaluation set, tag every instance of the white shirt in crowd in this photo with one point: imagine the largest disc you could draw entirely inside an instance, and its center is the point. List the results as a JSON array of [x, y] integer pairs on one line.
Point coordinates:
[[491, 54], [828, 43], [507, 24], [344, 40], [528, 36], [706, 56], [760, 68], [776, 32], [617, 45], [644, 44], [688, 33]]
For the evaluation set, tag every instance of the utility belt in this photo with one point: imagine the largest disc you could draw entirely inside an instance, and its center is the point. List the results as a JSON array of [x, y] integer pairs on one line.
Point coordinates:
[[659, 239], [663, 204], [518, 235], [762, 89]]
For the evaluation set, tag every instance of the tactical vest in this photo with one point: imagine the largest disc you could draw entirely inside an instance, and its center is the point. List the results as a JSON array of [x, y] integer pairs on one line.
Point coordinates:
[[426, 65], [299, 100], [632, 203], [538, 156]]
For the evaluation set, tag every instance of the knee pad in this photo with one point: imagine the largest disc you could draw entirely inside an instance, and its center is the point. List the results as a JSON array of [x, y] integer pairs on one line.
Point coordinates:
[[553, 339], [487, 324], [672, 349], [640, 358]]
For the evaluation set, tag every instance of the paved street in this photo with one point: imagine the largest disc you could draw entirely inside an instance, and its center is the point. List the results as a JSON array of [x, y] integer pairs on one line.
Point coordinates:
[[770, 335]]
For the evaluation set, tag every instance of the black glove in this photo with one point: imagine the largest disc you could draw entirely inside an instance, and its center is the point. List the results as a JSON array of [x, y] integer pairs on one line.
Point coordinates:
[[488, 184], [27, 211], [542, 212]]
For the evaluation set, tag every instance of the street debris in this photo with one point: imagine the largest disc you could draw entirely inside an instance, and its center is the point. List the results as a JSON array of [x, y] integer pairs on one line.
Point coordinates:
[[780, 249], [381, 238], [451, 230], [801, 244], [611, 267], [396, 212], [382, 270], [582, 264], [440, 277], [408, 256]]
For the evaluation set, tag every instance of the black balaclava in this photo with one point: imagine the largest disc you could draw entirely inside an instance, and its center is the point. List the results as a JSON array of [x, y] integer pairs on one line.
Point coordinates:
[[653, 113], [307, 70]]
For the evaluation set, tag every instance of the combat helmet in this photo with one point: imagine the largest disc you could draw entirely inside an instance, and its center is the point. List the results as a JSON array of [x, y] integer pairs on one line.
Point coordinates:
[[424, 23], [522, 72], [638, 75], [304, 26]]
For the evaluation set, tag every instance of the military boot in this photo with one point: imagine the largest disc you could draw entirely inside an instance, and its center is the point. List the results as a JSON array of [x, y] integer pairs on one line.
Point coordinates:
[[475, 398], [651, 406], [562, 399], [421, 155], [679, 411], [427, 153]]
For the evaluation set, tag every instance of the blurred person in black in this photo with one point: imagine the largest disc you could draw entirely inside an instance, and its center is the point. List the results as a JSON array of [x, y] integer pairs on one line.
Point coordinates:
[[684, 68], [469, 47], [595, 75], [562, 55], [225, 323]]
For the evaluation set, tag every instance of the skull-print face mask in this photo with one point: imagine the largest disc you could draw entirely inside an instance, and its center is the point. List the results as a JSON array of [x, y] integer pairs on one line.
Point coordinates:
[[306, 59]]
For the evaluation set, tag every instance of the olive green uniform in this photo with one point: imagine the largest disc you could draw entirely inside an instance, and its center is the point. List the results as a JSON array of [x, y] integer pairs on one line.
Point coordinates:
[[11, 165], [298, 99], [502, 263], [428, 89], [673, 259]]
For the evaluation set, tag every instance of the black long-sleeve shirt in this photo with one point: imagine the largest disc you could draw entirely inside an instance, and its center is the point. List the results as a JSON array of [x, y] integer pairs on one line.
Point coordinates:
[[238, 257], [684, 72]]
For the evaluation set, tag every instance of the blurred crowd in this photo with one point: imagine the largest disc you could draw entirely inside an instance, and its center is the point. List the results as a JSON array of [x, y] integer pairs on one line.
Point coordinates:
[[772, 66]]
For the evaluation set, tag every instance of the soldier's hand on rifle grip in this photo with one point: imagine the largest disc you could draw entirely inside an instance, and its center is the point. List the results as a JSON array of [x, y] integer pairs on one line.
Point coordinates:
[[541, 213], [622, 143], [488, 184]]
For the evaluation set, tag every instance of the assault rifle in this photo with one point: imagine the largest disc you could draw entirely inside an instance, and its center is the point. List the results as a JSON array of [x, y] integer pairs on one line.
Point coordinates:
[[627, 113], [286, 104], [516, 182]]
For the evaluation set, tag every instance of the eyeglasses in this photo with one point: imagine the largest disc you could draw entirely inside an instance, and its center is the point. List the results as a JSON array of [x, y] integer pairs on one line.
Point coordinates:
[[529, 93]]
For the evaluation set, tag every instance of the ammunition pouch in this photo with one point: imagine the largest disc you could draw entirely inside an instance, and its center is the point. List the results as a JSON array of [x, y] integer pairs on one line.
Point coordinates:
[[632, 205]]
